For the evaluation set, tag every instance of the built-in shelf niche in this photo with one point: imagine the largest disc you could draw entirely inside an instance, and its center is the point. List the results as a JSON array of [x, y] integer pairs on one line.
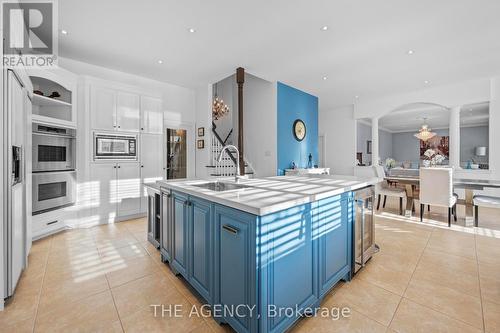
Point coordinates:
[[58, 108]]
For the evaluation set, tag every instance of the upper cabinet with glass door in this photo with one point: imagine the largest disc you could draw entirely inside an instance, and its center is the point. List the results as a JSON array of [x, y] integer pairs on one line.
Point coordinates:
[[474, 136], [54, 99]]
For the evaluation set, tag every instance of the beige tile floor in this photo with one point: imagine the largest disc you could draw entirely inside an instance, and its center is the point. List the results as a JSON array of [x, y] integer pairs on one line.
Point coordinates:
[[426, 278]]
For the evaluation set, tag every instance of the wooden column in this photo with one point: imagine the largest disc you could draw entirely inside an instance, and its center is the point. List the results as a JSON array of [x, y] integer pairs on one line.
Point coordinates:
[[240, 80]]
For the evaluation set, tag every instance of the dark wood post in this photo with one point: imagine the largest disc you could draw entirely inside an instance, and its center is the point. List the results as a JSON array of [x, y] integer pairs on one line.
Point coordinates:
[[240, 80]]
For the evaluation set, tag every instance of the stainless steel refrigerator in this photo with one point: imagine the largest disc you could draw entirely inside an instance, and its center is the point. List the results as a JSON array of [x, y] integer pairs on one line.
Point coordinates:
[[16, 115]]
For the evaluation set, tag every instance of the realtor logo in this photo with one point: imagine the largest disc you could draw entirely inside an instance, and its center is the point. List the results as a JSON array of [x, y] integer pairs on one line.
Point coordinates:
[[30, 33]]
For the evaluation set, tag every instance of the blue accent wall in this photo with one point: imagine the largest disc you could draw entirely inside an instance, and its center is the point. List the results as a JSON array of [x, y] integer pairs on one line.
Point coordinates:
[[295, 104]]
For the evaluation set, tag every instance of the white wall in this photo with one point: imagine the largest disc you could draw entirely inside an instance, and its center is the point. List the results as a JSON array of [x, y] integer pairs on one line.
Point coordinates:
[[226, 92], [260, 125], [339, 129], [203, 119], [469, 92]]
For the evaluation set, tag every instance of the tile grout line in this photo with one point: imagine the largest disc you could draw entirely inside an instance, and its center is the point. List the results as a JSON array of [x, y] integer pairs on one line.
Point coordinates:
[[113, 298], [411, 277], [432, 309], [43, 282], [479, 281]]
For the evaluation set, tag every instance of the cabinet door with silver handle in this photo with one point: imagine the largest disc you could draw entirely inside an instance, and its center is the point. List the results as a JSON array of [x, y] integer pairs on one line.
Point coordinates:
[[230, 229]]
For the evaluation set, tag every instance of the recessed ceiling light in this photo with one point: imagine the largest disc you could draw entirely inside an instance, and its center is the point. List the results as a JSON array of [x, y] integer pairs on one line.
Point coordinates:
[[160, 62], [356, 97], [426, 82], [325, 77], [191, 30], [324, 28], [64, 32], [410, 52]]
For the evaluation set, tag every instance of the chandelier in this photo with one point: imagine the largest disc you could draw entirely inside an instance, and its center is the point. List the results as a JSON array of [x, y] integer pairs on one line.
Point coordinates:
[[219, 108], [425, 133]]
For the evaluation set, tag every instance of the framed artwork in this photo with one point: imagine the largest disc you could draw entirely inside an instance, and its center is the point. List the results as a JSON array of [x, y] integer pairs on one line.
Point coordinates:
[[369, 147], [201, 131], [200, 144], [441, 144]]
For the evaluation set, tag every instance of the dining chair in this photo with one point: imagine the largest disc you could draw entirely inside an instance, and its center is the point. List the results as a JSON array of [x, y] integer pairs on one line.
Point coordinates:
[[436, 189], [382, 188], [484, 201]]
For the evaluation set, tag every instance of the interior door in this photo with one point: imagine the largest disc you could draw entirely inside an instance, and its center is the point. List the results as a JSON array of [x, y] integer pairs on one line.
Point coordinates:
[[151, 162], [103, 108], [128, 189], [103, 197], [127, 112], [151, 115], [176, 153]]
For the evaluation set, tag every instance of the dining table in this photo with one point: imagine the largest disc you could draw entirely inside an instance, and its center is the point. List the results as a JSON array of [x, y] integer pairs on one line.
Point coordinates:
[[468, 185]]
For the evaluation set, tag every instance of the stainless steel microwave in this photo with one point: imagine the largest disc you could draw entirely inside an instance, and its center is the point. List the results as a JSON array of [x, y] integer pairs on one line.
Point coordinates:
[[115, 147]]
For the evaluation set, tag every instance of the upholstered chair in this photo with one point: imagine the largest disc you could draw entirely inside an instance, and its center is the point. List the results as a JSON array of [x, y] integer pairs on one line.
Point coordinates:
[[436, 189]]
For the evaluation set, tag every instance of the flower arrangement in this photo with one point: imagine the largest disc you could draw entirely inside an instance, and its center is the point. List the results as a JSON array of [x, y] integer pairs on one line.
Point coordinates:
[[432, 157], [390, 163]]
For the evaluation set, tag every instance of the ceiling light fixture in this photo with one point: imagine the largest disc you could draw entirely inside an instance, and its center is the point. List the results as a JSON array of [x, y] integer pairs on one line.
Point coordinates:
[[219, 108], [410, 52], [64, 32], [325, 78], [425, 133], [160, 62], [426, 82], [324, 28], [191, 30], [356, 97]]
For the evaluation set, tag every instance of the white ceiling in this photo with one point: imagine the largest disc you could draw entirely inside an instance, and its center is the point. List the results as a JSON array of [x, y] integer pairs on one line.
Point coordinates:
[[363, 52], [411, 117]]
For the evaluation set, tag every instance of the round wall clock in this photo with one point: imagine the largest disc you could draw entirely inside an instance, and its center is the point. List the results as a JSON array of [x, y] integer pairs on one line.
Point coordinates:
[[299, 130]]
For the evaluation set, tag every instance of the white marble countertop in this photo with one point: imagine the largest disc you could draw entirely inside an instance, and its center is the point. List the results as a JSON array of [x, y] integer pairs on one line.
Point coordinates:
[[268, 195]]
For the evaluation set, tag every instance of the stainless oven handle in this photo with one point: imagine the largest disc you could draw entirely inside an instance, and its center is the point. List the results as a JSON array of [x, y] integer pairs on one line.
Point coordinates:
[[54, 135]]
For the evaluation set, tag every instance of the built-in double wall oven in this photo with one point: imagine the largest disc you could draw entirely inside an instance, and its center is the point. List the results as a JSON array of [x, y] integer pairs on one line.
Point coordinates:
[[54, 175]]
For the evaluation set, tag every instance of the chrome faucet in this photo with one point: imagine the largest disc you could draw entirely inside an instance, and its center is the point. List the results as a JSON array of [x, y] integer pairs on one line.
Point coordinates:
[[237, 174]]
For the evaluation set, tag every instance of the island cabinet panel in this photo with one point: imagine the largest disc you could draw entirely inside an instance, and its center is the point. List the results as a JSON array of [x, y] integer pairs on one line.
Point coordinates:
[[201, 247], [260, 269], [235, 263], [180, 233], [289, 266], [166, 225], [332, 222]]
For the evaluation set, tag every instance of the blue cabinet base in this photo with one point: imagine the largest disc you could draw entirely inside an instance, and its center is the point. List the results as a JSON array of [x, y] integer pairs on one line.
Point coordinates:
[[263, 264]]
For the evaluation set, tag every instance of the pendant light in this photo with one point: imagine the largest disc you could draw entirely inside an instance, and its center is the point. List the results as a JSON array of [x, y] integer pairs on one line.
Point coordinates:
[[425, 133], [219, 108]]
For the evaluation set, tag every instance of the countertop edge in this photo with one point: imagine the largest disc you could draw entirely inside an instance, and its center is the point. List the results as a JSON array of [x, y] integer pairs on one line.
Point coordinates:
[[262, 211]]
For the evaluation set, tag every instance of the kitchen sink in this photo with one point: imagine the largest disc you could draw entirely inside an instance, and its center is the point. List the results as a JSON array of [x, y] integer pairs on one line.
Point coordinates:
[[221, 187]]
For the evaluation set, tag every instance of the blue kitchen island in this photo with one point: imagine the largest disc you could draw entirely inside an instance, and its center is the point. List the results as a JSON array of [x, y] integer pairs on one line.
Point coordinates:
[[263, 251]]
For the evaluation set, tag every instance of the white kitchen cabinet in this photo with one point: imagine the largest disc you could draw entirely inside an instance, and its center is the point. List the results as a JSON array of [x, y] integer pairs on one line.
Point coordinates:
[[151, 115], [112, 109], [115, 190], [103, 195], [151, 162], [103, 108], [128, 189], [127, 112]]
